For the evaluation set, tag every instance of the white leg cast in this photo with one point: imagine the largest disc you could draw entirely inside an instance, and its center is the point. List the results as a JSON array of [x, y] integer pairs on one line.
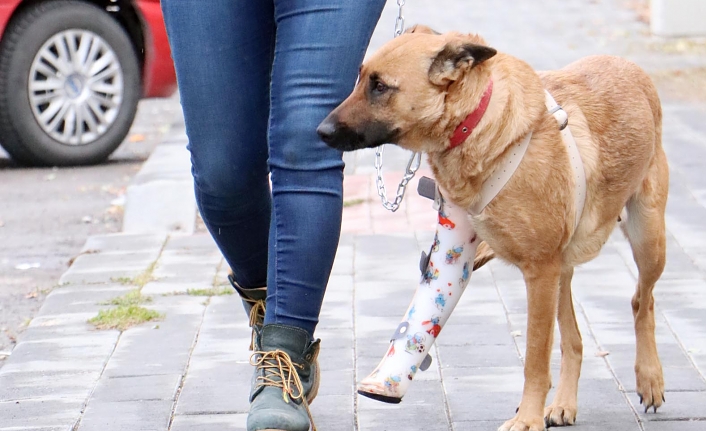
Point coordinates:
[[443, 281]]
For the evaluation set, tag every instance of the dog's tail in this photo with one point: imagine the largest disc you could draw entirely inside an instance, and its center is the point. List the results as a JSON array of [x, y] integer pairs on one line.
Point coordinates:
[[484, 254]]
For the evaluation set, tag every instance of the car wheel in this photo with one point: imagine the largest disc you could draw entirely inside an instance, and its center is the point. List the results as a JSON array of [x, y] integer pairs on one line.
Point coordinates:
[[69, 84]]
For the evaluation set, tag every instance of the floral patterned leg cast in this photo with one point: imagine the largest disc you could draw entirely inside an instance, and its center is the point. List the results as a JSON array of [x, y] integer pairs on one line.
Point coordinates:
[[445, 274]]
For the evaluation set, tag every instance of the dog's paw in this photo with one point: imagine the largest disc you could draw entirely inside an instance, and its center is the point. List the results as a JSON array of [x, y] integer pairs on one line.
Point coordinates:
[[523, 424], [558, 415], [650, 385]]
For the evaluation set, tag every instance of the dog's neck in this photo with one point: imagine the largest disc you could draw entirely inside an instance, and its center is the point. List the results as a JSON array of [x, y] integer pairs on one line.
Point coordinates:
[[513, 110], [464, 130]]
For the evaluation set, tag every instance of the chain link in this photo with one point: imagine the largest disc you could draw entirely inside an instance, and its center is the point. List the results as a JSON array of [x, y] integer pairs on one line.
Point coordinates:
[[399, 21], [415, 159], [412, 165]]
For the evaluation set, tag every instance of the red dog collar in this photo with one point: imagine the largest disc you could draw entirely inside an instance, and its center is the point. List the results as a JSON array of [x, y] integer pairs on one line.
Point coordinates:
[[466, 127]]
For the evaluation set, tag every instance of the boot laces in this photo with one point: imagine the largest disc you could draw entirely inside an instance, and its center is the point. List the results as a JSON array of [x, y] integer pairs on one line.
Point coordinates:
[[257, 316], [257, 312], [280, 372]]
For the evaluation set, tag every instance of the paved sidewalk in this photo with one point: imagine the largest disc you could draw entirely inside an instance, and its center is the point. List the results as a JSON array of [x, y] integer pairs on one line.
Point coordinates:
[[190, 370]]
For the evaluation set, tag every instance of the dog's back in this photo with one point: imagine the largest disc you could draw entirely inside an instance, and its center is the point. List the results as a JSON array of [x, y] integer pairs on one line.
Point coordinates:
[[616, 118]]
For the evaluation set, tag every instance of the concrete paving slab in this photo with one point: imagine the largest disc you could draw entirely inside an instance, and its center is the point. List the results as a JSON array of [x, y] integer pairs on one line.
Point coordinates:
[[40, 414], [137, 388], [219, 422], [126, 416], [44, 385]]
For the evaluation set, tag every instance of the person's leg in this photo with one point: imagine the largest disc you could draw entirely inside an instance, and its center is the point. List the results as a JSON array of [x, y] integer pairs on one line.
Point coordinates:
[[320, 46], [222, 52]]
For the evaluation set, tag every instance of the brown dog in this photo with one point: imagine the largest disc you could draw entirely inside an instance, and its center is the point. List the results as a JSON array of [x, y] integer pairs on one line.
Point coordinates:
[[418, 88]]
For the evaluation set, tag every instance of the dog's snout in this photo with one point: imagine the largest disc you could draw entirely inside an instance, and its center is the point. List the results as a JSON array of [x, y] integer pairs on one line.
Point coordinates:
[[339, 135], [327, 129]]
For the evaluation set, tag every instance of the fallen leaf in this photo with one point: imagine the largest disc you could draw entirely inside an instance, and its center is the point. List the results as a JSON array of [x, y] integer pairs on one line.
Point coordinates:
[[89, 251], [31, 295], [137, 137]]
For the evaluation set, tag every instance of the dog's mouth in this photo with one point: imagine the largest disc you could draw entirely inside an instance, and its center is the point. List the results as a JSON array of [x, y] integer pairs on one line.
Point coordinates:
[[342, 137]]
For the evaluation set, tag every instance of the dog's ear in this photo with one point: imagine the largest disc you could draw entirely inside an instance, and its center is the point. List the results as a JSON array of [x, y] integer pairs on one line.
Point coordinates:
[[420, 28], [455, 58]]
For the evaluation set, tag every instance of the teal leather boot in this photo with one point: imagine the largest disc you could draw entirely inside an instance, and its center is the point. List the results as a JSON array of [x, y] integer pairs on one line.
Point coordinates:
[[285, 381], [254, 303]]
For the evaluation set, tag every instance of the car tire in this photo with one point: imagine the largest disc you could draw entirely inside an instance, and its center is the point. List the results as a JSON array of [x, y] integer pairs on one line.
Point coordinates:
[[100, 107]]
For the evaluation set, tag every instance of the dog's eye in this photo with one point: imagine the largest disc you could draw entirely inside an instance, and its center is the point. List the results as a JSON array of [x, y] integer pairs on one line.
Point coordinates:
[[380, 87]]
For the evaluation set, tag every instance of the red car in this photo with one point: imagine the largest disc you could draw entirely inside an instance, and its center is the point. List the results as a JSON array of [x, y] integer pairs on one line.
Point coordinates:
[[72, 73]]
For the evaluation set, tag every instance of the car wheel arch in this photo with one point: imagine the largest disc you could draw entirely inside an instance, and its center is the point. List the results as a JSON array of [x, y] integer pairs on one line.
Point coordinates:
[[123, 12]]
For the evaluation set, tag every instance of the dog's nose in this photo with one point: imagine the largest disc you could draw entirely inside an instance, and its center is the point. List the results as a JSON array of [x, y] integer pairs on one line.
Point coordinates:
[[327, 130]]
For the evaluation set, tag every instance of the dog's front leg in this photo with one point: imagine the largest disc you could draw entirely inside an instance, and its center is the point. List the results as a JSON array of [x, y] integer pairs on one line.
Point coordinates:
[[445, 274], [542, 282]]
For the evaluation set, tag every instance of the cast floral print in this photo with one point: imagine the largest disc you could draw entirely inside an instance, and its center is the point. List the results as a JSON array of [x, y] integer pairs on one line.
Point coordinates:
[[445, 273]]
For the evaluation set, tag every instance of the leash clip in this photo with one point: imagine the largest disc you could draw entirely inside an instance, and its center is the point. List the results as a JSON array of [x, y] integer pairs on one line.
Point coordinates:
[[427, 188]]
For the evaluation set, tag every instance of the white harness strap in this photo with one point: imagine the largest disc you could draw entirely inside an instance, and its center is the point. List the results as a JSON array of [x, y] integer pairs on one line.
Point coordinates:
[[508, 166], [502, 174], [574, 155]]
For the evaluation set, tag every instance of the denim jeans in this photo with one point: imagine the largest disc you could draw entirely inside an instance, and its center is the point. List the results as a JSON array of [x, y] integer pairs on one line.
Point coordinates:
[[256, 77]]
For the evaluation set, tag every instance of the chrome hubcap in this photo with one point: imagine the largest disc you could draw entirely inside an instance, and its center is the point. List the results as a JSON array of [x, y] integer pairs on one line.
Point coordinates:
[[75, 87]]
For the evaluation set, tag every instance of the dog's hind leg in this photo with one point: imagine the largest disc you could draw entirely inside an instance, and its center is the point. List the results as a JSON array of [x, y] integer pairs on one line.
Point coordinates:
[[645, 229], [563, 409]]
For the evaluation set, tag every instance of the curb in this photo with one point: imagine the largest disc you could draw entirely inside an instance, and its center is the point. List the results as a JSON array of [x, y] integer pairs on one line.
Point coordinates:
[[160, 198]]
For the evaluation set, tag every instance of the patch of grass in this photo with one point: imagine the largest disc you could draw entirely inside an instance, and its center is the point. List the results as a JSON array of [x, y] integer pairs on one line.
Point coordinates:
[[352, 202], [213, 291], [222, 284], [122, 280], [680, 46], [124, 317], [217, 280], [134, 297], [146, 276]]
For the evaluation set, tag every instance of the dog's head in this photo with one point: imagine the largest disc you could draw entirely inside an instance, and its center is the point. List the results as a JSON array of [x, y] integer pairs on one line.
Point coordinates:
[[401, 92]]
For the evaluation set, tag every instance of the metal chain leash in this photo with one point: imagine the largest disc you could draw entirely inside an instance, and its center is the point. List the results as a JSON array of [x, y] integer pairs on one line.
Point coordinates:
[[412, 166], [414, 161], [399, 21]]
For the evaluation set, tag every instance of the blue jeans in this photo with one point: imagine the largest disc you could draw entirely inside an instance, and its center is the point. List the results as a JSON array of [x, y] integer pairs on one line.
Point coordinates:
[[256, 77]]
